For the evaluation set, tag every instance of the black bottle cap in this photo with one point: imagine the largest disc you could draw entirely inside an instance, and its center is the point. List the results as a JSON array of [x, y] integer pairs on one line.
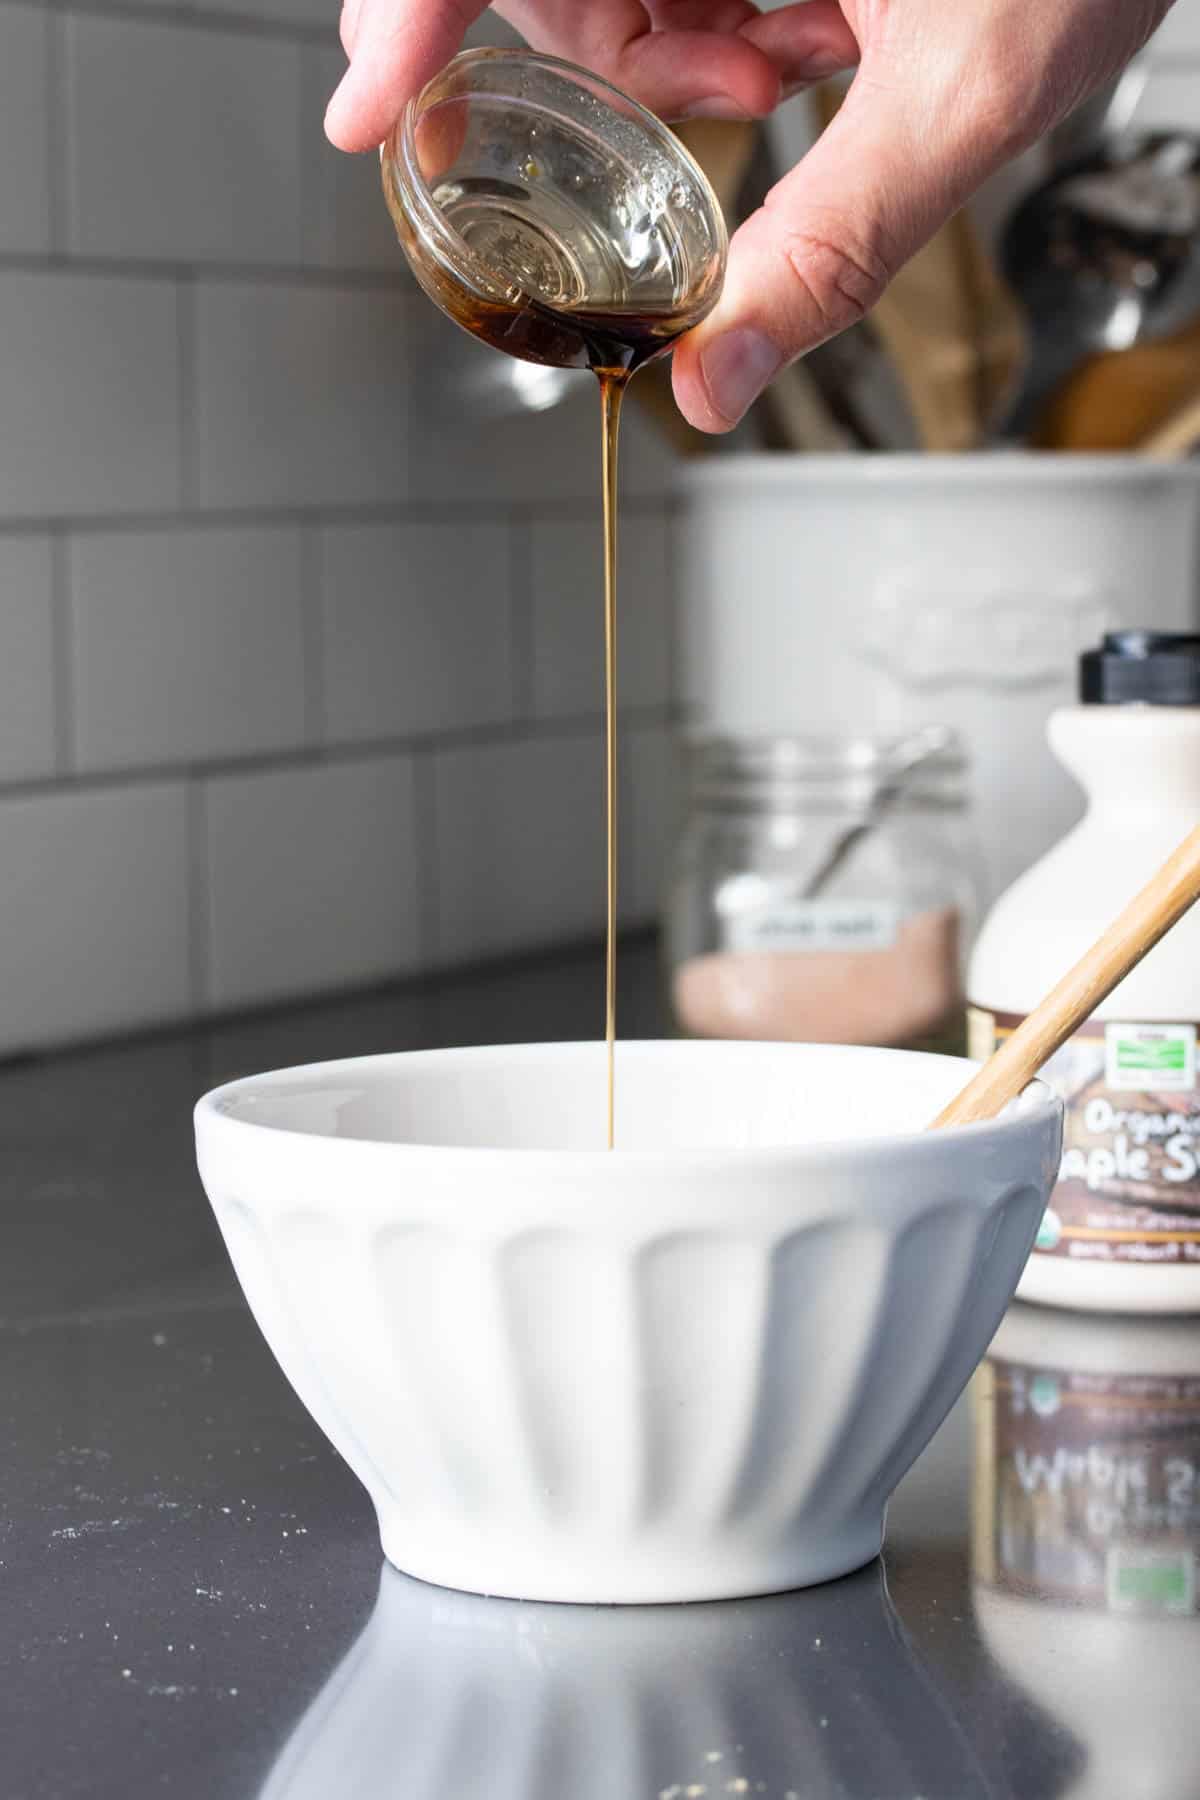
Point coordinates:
[[1148, 668]]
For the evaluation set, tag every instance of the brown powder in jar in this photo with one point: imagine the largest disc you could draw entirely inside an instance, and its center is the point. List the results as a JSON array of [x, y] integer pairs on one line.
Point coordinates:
[[910, 990]]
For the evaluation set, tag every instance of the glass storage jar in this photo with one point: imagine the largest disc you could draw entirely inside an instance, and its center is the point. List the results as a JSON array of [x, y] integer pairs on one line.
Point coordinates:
[[824, 889]]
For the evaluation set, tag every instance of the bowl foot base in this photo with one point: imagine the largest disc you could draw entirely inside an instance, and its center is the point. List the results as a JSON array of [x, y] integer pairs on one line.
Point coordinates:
[[631, 1574]]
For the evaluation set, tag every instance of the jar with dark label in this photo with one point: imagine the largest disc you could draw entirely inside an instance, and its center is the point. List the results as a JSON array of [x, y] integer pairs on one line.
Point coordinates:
[[1085, 1538]]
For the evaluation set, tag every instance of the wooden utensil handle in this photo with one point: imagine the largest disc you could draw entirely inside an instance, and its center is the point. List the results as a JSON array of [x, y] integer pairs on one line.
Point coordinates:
[[1178, 437], [1147, 918]]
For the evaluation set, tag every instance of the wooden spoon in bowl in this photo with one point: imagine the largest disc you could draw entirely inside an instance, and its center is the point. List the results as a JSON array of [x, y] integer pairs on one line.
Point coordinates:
[[1148, 917]]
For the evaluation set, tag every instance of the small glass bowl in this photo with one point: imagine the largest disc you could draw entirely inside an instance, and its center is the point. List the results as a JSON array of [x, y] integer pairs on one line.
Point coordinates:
[[518, 180]]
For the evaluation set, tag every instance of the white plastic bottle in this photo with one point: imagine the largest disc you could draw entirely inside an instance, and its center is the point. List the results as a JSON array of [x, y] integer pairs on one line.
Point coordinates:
[[1122, 1231]]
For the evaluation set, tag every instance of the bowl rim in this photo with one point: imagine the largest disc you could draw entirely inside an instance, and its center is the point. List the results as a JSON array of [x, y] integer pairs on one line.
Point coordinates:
[[922, 468], [211, 1112]]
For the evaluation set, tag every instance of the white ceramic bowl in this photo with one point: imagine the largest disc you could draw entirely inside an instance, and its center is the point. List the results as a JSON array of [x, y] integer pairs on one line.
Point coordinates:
[[691, 1368]]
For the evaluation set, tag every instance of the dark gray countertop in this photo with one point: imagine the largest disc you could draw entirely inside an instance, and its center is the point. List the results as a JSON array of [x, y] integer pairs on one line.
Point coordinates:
[[192, 1595]]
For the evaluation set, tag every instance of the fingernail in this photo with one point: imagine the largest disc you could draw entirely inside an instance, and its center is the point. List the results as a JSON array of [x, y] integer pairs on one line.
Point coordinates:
[[736, 368], [714, 106]]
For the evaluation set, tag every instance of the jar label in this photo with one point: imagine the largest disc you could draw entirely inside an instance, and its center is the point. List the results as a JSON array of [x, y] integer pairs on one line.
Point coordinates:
[[783, 923], [1129, 1183], [1088, 1486]]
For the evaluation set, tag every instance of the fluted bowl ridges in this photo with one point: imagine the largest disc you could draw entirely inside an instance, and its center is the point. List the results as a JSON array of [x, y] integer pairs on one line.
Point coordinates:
[[691, 1368]]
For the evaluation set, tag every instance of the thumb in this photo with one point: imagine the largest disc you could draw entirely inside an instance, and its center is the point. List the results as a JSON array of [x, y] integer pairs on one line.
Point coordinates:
[[395, 47], [822, 248]]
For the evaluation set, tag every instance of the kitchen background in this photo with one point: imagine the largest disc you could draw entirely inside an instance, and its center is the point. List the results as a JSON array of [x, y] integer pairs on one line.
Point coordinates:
[[299, 655]]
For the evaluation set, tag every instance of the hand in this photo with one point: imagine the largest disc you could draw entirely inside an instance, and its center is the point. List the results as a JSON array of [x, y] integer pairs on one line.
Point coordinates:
[[946, 91]]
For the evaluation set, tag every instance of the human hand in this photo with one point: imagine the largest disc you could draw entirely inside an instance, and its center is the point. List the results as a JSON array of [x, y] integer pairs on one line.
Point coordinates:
[[945, 92]]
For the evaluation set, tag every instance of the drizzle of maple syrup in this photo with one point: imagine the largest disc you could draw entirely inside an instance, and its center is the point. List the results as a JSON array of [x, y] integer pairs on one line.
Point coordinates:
[[613, 342]]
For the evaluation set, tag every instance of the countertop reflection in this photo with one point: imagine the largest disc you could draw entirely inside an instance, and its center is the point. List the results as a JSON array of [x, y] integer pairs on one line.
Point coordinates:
[[192, 1596], [820, 1692]]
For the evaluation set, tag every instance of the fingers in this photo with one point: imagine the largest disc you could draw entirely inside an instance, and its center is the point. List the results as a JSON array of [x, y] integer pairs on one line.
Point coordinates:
[[819, 253], [395, 47], [348, 25], [698, 74], [806, 42], [677, 73], [945, 93], [682, 58], [700, 15]]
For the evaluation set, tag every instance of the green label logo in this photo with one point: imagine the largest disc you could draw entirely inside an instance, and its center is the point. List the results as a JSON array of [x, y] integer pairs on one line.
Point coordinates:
[[1049, 1231], [1157, 1057], [1045, 1396], [1145, 1579]]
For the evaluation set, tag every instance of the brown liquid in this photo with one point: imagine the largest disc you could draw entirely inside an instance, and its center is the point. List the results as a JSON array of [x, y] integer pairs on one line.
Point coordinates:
[[610, 340], [614, 343], [612, 392]]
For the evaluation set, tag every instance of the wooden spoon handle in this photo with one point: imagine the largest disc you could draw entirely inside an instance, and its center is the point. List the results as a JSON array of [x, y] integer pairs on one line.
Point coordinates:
[[1176, 438], [1148, 917]]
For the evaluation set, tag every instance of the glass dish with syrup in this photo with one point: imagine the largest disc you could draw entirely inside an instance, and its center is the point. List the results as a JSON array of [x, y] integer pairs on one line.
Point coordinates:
[[550, 215]]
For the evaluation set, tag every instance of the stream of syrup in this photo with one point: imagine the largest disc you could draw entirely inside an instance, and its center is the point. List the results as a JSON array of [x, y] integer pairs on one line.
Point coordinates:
[[614, 342], [612, 392]]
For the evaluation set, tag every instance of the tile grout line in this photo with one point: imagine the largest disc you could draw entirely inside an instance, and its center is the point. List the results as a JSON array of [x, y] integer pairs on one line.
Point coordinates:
[[146, 1033], [565, 730], [233, 23], [674, 610], [185, 394], [58, 127], [90, 265], [312, 583], [306, 183], [627, 848], [520, 615], [428, 885], [383, 512], [199, 897], [62, 672]]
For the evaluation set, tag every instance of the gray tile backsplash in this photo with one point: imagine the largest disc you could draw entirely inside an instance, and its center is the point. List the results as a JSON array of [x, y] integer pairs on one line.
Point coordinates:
[[416, 628], [89, 393], [27, 707], [24, 139], [181, 142], [297, 639], [312, 879], [299, 395], [652, 803], [520, 845], [95, 911], [288, 14], [299, 644], [186, 645], [566, 584]]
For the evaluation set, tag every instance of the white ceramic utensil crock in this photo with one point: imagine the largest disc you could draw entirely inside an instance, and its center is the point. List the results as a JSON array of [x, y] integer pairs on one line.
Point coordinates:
[[691, 1368], [883, 593]]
